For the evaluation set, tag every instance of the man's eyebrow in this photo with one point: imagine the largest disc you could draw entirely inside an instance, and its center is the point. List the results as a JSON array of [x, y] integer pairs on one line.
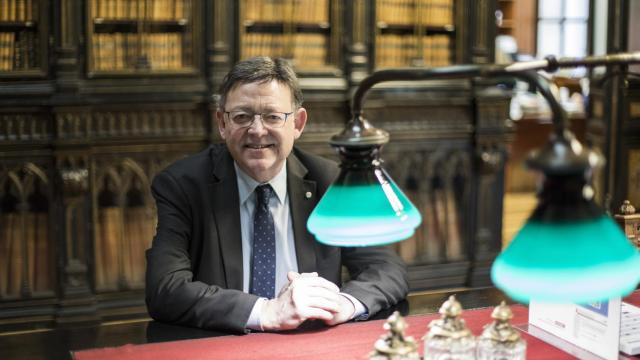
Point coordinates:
[[241, 108], [265, 109]]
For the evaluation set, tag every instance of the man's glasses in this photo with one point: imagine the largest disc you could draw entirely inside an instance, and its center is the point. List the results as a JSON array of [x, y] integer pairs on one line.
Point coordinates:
[[245, 119]]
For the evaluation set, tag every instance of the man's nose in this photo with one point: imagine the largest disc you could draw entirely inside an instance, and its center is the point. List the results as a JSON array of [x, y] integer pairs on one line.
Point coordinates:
[[257, 124]]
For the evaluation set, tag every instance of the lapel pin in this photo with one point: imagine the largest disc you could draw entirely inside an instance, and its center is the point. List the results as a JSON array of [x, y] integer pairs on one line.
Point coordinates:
[[308, 194]]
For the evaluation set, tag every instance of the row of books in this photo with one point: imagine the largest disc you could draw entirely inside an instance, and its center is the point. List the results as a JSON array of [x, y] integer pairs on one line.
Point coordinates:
[[119, 51], [26, 258], [398, 51], [306, 50], [122, 236], [409, 12], [299, 11], [134, 9], [18, 10], [18, 50]]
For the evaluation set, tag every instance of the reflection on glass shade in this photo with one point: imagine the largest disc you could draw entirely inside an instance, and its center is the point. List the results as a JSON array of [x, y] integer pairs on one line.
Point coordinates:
[[584, 261], [363, 208]]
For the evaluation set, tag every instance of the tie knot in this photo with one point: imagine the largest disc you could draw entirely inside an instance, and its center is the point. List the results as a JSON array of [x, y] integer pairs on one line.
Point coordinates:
[[264, 194]]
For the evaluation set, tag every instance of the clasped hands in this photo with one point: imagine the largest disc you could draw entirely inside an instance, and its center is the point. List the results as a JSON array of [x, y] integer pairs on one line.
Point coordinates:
[[306, 296]]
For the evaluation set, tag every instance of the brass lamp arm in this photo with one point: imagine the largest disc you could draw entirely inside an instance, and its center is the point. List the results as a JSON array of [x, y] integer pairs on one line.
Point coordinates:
[[522, 70]]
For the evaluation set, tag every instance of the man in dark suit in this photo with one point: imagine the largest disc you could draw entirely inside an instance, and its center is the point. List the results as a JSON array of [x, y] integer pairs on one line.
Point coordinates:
[[232, 251]]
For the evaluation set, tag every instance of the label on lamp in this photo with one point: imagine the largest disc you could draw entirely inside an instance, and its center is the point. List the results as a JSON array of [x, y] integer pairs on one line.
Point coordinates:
[[593, 327]]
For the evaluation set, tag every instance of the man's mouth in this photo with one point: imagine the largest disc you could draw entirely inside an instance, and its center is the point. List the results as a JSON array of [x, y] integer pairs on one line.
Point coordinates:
[[259, 146]]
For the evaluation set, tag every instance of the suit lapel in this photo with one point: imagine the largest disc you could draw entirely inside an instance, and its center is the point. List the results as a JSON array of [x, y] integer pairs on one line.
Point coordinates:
[[226, 214], [302, 200]]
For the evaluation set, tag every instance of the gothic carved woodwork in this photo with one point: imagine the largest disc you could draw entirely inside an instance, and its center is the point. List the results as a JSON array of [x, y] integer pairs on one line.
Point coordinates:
[[26, 245], [125, 220], [108, 124], [21, 126], [79, 149], [74, 181]]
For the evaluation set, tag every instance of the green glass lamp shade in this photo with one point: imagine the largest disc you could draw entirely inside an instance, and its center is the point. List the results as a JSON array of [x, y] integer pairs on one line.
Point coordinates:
[[363, 207], [578, 262], [569, 251], [363, 215]]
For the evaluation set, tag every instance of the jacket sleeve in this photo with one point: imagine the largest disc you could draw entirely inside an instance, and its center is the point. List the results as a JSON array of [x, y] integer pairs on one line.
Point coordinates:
[[172, 294], [378, 277]]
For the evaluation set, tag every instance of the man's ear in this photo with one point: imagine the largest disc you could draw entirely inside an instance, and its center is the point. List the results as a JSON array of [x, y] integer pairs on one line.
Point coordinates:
[[220, 122], [299, 121]]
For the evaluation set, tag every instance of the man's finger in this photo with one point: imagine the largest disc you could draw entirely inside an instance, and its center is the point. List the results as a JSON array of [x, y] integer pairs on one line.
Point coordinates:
[[292, 275], [320, 292], [315, 281], [302, 300], [315, 313], [311, 274]]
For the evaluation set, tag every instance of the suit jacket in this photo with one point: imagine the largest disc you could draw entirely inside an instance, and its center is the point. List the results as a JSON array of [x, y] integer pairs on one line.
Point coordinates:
[[194, 266]]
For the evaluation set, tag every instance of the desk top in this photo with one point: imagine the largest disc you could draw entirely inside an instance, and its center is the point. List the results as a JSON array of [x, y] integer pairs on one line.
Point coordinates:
[[345, 340]]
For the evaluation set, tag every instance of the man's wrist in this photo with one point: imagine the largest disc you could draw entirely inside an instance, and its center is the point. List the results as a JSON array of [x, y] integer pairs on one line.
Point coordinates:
[[255, 317], [358, 308]]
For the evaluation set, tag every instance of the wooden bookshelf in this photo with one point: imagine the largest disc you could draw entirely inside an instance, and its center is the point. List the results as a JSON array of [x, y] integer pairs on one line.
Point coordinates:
[[23, 28], [414, 33], [115, 90], [305, 31], [132, 37]]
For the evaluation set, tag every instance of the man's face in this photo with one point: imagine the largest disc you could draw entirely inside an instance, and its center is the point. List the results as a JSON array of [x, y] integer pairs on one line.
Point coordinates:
[[260, 150]]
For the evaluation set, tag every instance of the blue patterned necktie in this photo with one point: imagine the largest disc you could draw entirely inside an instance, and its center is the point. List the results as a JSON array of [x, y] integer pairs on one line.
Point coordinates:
[[263, 261]]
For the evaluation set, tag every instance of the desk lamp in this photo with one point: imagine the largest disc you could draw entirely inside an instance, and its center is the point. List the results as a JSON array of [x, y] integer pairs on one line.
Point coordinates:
[[568, 251]]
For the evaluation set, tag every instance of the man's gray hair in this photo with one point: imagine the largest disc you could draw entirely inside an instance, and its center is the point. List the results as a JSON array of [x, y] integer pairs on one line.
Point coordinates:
[[261, 69]]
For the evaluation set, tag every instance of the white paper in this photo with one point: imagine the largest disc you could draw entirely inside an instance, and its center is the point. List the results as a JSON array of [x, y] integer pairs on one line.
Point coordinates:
[[594, 327]]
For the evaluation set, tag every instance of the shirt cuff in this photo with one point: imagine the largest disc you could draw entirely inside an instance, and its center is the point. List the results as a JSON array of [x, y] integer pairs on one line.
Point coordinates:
[[361, 312], [253, 322]]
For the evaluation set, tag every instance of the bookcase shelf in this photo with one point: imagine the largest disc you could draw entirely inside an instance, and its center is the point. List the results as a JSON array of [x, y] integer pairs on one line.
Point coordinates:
[[23, 45], [119, 89], [141, 37], [323, 28], [18, 25], [305, 31], [133, 26], [414, 33], [385, 29]]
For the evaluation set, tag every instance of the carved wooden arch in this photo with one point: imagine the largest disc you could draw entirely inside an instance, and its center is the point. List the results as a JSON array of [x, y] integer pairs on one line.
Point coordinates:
[[466, 160], [456, 161], [33, 173], [13, 178], [436, 164], [131, 170], [110, 173], [401, 167]]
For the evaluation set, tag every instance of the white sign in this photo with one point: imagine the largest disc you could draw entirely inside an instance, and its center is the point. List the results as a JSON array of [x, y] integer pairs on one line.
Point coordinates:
[[593, 327]]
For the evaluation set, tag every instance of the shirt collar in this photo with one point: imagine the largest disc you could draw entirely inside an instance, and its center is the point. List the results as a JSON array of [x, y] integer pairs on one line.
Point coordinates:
[[246, 184]]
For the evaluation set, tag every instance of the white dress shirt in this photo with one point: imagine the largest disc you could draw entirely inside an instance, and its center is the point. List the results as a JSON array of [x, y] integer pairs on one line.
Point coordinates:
[[279, 208], [285, 246]]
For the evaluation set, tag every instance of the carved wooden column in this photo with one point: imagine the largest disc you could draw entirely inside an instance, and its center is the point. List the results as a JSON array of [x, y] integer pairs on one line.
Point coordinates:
[[621, 112], [491, 141], [221, 24], [67, 36], [478, 30], [221, 19], [77, 303], [357, 27]]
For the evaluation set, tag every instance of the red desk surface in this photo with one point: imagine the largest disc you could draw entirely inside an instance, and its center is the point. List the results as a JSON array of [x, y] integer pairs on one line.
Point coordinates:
[[346, 341]]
